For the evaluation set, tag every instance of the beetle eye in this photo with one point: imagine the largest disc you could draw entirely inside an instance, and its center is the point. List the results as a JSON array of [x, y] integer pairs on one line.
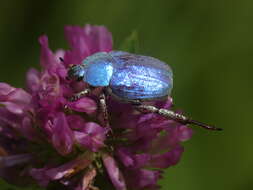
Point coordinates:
[[80, 78]]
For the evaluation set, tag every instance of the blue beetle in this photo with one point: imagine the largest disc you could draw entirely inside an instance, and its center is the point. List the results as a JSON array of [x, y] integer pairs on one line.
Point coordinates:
[[131, 78]]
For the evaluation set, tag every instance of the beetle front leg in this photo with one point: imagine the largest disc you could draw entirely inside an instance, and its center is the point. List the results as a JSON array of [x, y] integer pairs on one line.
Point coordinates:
[[79, 95], [169, 114], [103, 107]]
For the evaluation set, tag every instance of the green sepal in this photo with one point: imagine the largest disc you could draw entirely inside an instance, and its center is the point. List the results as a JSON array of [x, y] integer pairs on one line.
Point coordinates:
[[131, 44]]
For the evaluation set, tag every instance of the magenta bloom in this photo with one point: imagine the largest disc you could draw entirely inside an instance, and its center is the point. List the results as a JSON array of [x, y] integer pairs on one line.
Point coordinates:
[[46, 138]]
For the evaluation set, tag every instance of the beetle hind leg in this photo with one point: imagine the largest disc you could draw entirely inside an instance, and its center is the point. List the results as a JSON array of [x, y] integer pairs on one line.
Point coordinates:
[[169, 114]]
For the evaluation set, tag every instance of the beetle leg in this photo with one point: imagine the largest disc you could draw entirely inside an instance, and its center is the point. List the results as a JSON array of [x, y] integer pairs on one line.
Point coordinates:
[[169, 114], [103, 107], [79, 95], [135, 102]]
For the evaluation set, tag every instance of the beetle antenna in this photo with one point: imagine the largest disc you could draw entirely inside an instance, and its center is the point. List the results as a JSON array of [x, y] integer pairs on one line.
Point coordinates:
[[175, 116], [61, 59]]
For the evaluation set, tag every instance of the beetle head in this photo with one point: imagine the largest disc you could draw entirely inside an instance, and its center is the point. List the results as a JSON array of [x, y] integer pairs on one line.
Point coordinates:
[[76, 72]]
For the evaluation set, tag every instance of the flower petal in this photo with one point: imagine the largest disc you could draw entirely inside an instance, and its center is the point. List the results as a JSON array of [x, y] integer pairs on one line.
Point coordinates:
[[40, 175], [125, 157], [16, 100], [9, 161], [143, 179], [62, 135], [86, 41], [47, 59], [5, 89], [92, 136], [76, 122], [167, 159], [100, 39], [28, 130], [87, 179], [10, 119], [69, 168], [84, 104], [33, 79], [114, 173]]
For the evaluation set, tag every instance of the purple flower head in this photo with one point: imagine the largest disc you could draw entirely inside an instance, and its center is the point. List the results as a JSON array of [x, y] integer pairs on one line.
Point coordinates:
[[45, 137]]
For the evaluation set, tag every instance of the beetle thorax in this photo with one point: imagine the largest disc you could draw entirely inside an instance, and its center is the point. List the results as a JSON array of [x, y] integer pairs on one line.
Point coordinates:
[[99, 69]]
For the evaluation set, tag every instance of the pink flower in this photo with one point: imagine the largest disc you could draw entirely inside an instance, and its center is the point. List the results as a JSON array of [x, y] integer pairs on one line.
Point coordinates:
[[54, 139], [91, 136]]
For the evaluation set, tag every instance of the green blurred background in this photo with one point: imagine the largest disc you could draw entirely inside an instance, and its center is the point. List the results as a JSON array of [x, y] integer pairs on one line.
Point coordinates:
[[208, 43]]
